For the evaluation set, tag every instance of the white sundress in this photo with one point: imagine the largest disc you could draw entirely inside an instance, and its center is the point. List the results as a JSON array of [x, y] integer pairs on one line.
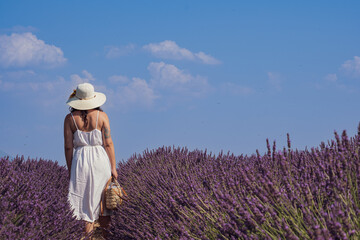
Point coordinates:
[[90, 171]]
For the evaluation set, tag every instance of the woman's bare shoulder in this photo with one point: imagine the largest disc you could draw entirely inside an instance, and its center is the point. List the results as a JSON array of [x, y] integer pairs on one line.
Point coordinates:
[[103, 119], [104, 115], [67, 117]]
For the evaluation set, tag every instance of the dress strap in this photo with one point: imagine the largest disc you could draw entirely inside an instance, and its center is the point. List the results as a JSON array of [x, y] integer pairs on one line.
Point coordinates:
[[74, 121], [97, 118]]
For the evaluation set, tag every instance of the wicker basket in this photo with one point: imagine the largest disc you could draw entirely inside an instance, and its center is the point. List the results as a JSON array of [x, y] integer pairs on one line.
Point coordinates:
[[114, 194]]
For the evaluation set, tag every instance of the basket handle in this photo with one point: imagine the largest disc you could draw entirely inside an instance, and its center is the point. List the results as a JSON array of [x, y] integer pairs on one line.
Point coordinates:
[[122, 189]]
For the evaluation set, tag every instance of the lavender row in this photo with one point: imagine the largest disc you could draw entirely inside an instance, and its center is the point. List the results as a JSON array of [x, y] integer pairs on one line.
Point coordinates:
[[283, 194], [181, 194], [33, 201]]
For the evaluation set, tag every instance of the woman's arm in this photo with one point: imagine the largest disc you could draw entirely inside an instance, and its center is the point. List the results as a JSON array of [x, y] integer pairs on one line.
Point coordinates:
[[108, 144], [68, 143]]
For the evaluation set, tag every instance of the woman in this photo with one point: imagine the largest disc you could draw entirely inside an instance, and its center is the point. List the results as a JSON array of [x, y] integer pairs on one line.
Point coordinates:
[[89, 153]]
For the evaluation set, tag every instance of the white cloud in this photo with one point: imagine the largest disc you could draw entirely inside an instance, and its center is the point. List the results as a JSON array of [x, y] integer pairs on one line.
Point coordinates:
[[352, 67], [275, 80], [169, 76], [21, 50], [115, 52], [54, 92], [170, 50], [118, 79], [137, 91], [207, 59], [331, 77], [87, 77]]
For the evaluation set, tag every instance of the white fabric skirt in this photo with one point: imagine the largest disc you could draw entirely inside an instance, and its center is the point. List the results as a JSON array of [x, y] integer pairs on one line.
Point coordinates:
[[90, 171]]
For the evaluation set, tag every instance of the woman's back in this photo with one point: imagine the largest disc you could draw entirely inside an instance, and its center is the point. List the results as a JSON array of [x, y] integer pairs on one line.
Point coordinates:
[[93, 121], [87, 137]]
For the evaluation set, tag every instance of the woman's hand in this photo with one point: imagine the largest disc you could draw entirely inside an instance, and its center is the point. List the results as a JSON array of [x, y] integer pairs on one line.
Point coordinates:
[[114, 173]]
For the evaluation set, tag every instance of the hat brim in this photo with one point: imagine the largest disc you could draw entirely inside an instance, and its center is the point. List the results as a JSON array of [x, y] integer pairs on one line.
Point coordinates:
[[94, 102]]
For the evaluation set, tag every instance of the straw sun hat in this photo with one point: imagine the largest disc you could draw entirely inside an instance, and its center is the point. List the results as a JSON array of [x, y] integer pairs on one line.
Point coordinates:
[[85, 98]]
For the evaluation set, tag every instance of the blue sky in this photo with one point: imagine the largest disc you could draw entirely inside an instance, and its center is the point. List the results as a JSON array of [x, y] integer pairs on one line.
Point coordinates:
[[215, 75]]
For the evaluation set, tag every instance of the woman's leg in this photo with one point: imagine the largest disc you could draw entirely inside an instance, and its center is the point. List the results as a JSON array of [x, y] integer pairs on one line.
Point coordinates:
[[104, 223], [89, 227]]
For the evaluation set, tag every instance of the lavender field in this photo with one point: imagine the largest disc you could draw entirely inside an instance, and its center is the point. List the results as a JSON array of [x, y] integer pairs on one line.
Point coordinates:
[[180, 194], [33, 201]]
